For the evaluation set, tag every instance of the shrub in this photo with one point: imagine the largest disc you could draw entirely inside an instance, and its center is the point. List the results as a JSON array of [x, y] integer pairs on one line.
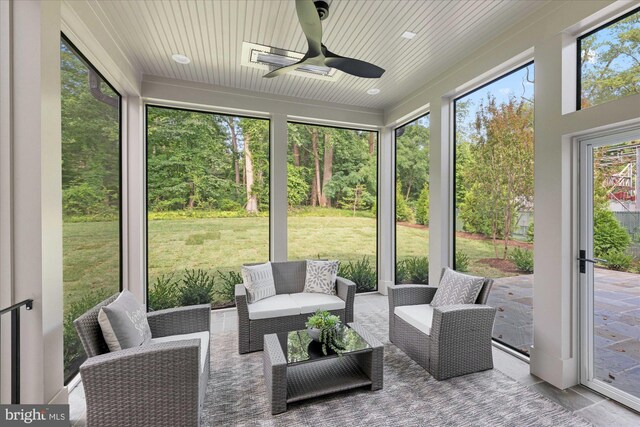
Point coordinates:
[[84, 199], [73, 349], [422, 207], [416, 270], [227, 291], [229, 205], [197, 288], [523, 259], [297, 186], [608, 234], [404, 213], [617, 260], [163, 293], [462, 262], [530, 232], [401, 272], [359, 272]]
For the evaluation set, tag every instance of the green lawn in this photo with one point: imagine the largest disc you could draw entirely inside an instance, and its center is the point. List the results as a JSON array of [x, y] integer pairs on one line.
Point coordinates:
[[91, 258], [91, 248]]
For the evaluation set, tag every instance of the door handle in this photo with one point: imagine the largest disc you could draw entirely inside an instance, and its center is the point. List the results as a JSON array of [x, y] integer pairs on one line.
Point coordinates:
[[583, 260]]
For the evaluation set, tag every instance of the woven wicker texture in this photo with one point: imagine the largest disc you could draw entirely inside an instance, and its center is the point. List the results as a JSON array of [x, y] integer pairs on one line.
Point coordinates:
[[289, 276], [251, 332], [180, 320], [460, 340], [89, 330], [151, 385], [287, 384]]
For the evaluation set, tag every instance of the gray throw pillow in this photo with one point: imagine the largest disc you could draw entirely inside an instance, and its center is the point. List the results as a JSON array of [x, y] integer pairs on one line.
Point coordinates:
[[457, 288], [258, 280], [124, 323], [321, 276]]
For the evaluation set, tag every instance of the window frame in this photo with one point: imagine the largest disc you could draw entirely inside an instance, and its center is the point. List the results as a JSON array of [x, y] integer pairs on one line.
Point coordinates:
[[395, 183], [454, 156], [377, 132], [64, 39], [453, 177], [146, 178], [579, 51]]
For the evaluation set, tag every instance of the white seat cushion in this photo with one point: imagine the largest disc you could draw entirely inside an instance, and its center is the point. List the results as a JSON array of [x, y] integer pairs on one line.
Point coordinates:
[[419, 316], [275, 306], [309, 302], [202, 336]]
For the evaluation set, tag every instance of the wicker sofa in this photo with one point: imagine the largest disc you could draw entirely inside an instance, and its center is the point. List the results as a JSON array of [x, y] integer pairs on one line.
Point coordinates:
[[289, 309], [159, 384], [447, 341]]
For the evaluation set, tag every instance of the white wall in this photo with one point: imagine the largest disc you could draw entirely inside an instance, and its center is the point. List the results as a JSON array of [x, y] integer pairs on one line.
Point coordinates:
[[548, 37], [31, 193]]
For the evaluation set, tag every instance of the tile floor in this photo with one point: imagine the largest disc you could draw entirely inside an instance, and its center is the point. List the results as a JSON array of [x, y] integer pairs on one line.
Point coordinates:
[[600, 411]]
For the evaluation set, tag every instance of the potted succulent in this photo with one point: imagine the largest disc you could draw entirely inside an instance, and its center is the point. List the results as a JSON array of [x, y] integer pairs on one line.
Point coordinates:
[[324, 327]]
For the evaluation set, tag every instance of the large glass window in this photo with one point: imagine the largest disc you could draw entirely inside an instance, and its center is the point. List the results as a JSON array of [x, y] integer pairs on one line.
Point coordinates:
[[494, 198], [332, 191], [412, 201], [90, 194], [207, 204], [609, 61]]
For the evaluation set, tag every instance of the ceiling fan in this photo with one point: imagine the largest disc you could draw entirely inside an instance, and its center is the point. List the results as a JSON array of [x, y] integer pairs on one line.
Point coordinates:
[[310, 14]]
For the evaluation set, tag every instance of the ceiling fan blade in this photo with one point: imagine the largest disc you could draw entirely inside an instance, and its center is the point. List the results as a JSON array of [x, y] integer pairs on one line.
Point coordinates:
[[283, 70], [311, 25], [355, 67]]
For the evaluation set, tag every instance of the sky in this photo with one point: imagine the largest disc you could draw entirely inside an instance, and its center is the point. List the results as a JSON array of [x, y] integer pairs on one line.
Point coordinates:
[[512, 85]]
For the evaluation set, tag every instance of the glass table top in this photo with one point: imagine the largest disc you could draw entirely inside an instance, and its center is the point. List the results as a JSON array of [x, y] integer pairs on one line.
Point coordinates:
[[298, 347]]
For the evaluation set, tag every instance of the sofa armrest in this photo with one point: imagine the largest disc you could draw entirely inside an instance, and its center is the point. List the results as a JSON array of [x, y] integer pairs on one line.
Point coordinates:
[[155, 384], [460, 338], [244, 323], [409, 295], [346, 291], [180, 320]]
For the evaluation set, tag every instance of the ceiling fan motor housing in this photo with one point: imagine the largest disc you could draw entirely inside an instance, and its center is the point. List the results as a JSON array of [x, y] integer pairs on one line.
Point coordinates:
[[323, 9]]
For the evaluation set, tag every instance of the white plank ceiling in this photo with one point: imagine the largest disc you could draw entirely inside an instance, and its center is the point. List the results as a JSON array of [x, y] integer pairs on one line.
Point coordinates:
[[211, 33]]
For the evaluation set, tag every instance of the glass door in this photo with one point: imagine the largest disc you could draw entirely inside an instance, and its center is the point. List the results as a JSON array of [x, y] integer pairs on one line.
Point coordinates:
[[609, 265]]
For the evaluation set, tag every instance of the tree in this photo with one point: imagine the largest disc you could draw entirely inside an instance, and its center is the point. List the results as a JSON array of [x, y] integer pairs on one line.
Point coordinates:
[[412, 158], [422, 206], [610, 61], [502, 175]]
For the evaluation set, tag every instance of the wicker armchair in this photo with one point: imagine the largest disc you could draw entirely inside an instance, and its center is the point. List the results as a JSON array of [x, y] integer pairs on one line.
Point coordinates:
[[159, 384], [459, 340], [289, 278]]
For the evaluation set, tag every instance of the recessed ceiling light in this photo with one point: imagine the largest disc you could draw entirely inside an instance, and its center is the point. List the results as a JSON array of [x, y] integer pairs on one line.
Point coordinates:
[[373, 91], [180, 59], [408, 35]]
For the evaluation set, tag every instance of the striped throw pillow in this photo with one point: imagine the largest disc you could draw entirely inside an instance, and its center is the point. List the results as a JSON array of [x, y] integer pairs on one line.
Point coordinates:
[[258, 280], [457, 288]]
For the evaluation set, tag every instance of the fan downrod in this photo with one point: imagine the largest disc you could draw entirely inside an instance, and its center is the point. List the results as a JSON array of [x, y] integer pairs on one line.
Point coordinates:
[[323, 9]]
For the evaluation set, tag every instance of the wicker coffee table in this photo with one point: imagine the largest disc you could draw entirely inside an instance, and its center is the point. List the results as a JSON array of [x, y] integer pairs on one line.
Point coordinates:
[[296, 369]]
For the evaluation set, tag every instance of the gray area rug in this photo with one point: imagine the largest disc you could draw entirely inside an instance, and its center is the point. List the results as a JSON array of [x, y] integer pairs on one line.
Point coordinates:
[[236, 395]]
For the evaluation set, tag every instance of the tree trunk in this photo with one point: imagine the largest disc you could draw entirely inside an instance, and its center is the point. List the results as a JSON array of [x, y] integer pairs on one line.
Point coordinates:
[[372, 143], [296, 155], [252, 200], [192, 194], [327, 165], [234, 148], [316, 175], [314, 192]]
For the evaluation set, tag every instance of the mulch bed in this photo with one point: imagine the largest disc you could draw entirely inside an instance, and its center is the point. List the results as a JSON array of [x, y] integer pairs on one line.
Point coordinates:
[[505, 265]]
